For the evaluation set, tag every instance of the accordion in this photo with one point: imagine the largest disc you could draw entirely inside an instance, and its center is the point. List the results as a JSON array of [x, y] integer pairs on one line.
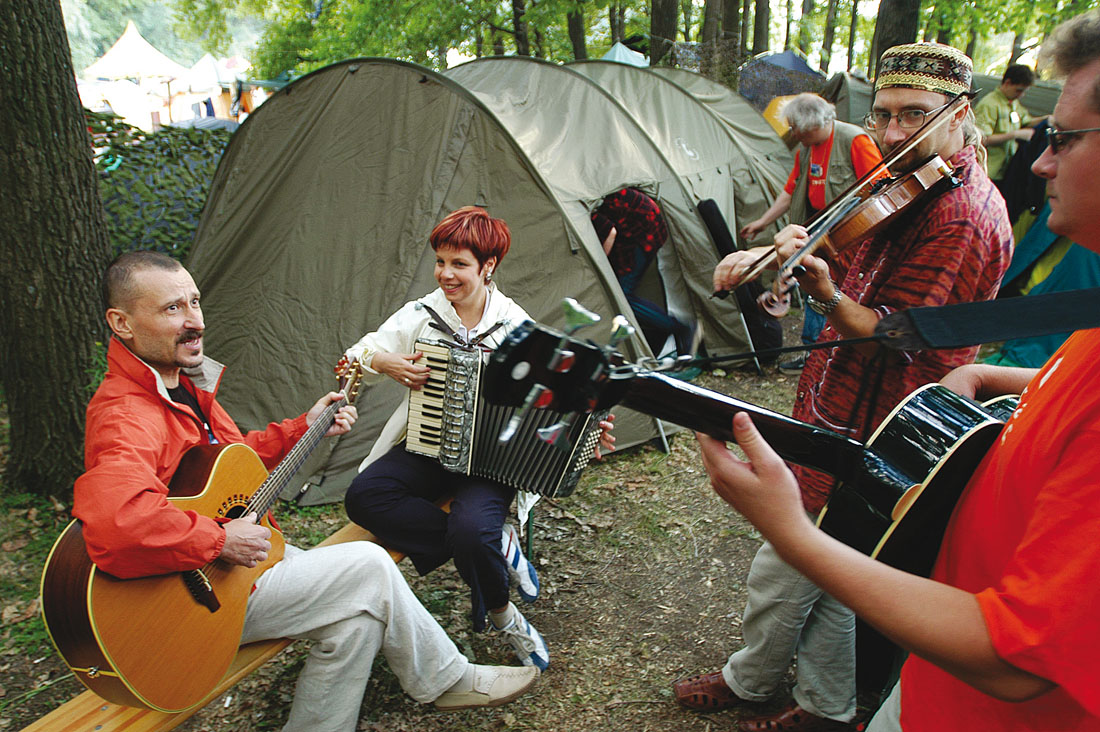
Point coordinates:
[[449, 420]]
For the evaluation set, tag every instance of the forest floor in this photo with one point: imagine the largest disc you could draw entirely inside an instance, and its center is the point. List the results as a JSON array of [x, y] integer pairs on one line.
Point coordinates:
[[642, 571]]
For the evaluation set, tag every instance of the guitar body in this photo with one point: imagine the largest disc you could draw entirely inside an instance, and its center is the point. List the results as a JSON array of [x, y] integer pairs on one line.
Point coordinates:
[[148, 642], [934, 437]]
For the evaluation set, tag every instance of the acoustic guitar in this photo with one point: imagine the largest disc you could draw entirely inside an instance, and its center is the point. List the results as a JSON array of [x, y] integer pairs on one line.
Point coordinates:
[[164, 642], [894, 494]]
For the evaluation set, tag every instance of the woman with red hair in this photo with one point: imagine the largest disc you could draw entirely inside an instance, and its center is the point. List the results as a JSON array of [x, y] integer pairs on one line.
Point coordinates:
[[395, 492]]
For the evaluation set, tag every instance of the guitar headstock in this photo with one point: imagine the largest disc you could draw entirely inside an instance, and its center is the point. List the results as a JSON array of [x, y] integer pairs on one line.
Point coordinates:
[[350, 376], [559, 372]]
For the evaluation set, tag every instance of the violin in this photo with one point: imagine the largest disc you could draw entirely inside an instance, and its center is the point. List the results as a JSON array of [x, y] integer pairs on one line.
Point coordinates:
[[868, 206], [857, 220]]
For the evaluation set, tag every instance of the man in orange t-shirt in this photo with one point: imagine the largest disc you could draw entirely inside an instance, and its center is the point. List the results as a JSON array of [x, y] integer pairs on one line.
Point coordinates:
[[1003, 636]]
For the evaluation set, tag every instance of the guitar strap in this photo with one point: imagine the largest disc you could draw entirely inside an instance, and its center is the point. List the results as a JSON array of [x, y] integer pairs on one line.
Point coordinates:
[[971, 324], [968, 324]]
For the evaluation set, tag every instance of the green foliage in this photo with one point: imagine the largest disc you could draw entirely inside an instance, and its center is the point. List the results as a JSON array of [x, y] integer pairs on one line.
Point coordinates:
[[154, 185]]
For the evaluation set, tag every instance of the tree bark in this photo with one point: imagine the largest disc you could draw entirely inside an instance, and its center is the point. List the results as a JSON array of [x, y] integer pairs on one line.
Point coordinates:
[[712, 15], [805, 36], [761, 26], [789, 24], [616, 22], [852, 35], [1017, 48], [746, 15], [523, 41], [52, 254], [830, 34], [685, 12], [662, 29], [575, 23], [898, 22]]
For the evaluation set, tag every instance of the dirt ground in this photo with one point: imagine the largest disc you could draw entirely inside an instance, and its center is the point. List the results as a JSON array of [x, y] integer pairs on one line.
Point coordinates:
[[642, 573]]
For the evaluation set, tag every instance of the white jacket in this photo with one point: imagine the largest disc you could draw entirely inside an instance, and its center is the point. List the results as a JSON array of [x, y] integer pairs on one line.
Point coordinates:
[[412, 323]]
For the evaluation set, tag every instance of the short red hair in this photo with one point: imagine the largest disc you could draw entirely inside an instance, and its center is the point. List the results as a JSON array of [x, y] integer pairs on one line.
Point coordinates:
[[471, 227]]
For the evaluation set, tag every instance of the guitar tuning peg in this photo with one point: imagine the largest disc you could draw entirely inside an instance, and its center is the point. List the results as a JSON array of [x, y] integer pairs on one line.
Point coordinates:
[[341, 366], [577, 316], [621, 329], [538, 397]]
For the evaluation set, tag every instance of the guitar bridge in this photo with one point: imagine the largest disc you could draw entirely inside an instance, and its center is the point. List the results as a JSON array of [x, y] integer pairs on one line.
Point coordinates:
[[201, 589]]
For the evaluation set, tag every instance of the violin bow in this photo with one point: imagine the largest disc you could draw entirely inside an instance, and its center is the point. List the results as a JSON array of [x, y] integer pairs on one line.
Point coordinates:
[[827, 214]]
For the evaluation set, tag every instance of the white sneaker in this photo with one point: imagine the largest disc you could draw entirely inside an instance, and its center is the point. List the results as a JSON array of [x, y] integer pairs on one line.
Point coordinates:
[[521, 573], [527, 642], [491, 687]]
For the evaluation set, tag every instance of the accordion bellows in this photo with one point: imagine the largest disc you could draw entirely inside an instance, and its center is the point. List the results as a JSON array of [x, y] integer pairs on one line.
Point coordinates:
[[450, 420]]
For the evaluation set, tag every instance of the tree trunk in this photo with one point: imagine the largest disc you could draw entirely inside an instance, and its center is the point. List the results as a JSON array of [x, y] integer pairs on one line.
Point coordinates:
[[662, 29], [536, 34], [498, 44], [898, 22], [746, 15], [789, 25], [479, 42], [685, 12], [830, 33], [805, 34], [761, 25], [972, 42], [523, 42], [852, 35], [575, 22], [712, 15], [615, 22], [731, 22], [1017, 48], [52, 255]]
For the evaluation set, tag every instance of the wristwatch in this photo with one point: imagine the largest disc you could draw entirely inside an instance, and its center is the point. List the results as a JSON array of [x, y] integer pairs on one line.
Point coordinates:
[[824, 308]]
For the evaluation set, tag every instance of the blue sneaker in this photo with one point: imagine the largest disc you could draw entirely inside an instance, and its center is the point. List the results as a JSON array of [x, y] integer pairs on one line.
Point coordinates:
[[521, 573], [525, 640]]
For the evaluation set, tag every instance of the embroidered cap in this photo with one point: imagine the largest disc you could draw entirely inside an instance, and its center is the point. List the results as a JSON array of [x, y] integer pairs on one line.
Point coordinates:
[[929, 66]]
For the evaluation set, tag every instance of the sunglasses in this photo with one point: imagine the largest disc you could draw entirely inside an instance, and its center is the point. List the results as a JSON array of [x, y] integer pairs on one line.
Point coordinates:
[[1059, 139]]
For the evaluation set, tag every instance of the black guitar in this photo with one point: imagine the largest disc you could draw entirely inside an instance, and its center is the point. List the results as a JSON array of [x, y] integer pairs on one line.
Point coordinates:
[[894, 495]]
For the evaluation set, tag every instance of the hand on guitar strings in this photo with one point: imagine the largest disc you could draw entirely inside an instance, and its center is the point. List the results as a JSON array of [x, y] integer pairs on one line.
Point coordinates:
[[344, 419], [761, 488], [246, 542]]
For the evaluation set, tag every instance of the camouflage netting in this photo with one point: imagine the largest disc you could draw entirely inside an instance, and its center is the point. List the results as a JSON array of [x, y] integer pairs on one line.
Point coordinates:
[[154, 185]]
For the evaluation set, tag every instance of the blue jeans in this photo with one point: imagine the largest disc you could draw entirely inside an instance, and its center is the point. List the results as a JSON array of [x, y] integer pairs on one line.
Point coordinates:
[[812, 324]]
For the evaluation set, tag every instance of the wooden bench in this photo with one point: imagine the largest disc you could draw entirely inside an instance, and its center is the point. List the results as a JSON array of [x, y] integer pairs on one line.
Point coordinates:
[[89, 713]]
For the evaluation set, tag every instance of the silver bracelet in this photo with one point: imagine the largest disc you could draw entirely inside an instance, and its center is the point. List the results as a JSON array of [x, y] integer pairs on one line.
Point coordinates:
[[824, 308]]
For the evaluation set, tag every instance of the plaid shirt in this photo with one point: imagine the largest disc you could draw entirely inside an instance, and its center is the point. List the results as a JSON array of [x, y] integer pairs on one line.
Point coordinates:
[[954, 249]]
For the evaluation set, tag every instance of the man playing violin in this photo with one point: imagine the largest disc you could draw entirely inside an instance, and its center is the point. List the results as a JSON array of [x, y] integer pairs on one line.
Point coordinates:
[[1003, 635], [950, 246]]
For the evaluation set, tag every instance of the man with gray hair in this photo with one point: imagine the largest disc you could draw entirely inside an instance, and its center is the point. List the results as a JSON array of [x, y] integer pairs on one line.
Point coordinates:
[[1003, 635], [822, 169]]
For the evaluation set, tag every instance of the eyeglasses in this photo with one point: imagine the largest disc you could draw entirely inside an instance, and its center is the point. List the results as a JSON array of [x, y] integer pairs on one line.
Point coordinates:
[[1060, 139], [908, 119]]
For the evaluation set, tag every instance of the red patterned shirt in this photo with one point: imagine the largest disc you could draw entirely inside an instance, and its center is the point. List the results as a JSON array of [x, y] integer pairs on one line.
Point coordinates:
[[954, 249]]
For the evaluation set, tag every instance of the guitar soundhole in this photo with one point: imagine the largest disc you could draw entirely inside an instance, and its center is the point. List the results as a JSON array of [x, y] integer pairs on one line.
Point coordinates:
[[234, 506]]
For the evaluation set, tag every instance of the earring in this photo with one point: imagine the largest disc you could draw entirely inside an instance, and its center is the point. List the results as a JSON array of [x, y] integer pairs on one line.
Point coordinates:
[[488, 276]]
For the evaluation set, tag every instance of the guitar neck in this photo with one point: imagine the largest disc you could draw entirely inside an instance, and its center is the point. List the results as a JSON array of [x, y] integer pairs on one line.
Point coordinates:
[[712, 413], [264, 497]]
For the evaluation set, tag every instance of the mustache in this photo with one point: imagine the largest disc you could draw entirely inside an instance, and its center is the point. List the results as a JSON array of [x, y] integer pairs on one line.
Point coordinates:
[[189, 335]]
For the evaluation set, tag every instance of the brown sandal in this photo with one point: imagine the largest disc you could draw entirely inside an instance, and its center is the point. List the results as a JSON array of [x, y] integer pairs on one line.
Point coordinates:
[[705, 693]]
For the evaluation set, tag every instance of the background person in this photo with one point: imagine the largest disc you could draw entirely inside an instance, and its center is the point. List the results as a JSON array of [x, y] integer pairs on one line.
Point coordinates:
[[833, 156], [1003, 120]]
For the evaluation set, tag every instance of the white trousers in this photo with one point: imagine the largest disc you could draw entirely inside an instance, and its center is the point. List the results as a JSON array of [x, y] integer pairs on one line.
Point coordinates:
[[351, 601], [788, 614]]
